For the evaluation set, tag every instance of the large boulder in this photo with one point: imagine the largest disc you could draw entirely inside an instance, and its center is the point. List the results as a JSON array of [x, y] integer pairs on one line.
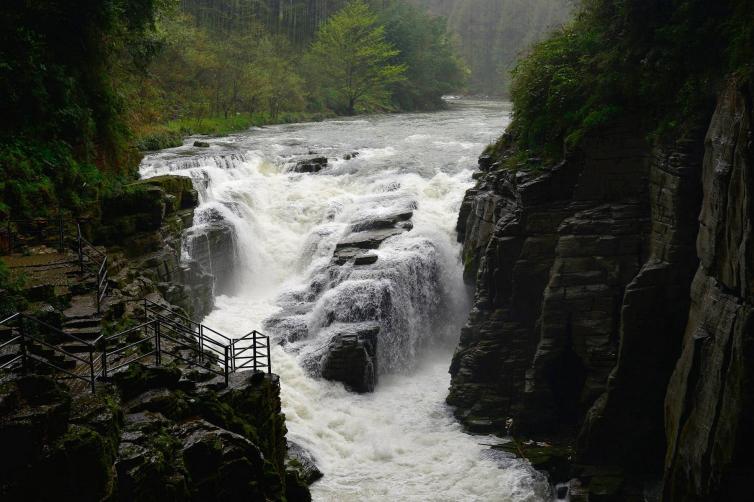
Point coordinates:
[[313, 165], [351, 358]]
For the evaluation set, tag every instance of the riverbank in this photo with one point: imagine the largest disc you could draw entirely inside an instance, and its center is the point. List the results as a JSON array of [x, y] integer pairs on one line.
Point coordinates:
[[172, 133]]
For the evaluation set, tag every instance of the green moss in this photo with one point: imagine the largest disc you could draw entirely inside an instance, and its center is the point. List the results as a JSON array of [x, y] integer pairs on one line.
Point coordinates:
[[81, 464]]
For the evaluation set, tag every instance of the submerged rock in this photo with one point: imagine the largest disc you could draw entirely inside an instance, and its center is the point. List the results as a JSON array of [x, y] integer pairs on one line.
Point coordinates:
[[201, 144], [313, 165]]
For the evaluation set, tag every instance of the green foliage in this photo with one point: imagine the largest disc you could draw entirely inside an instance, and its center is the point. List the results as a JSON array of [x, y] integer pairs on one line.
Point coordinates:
[[61, 114], [426, 50], [658, 61], [171, 133], [11, 297], [40, 177], [352, 60]]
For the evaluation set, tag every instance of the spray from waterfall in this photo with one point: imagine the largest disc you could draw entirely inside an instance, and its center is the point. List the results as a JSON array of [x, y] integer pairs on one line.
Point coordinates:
[[282, 232]]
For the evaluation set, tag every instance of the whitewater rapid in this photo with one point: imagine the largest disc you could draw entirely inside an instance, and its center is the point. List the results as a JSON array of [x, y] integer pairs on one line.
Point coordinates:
[[400, 443]]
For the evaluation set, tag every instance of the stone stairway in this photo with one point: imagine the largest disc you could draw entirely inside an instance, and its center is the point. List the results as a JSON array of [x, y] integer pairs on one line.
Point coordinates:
[[48, 273]]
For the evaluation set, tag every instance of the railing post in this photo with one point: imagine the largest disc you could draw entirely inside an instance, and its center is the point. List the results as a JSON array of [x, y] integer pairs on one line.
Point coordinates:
[[201, 343], [254, 349], [91, 366], [158, 347], [97, 295], [24, 355], [269, 361], [79, 244], [104, 357], [233, 355], [226, 365]]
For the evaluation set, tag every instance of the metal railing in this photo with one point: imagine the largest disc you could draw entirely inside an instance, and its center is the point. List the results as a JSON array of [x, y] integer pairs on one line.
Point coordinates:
[[163, 333], [27, 332], [94, 261], [58, 232], [48, 231]]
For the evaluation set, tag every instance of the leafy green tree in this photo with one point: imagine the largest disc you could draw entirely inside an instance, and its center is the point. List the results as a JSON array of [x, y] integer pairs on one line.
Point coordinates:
[[353, 60], [433, 69]]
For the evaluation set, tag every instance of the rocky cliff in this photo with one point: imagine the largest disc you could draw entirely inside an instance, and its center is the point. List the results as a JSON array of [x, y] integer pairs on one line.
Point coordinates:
[[156, 433], [613, 304]]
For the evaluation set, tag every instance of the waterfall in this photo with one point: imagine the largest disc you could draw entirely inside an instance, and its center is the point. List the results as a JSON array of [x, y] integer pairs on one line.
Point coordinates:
[[366, 246]]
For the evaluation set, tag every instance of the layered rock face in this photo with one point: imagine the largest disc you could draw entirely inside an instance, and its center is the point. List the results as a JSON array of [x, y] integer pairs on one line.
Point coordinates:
[[597, 280], [709, 415], [144, 230], [552, 270]]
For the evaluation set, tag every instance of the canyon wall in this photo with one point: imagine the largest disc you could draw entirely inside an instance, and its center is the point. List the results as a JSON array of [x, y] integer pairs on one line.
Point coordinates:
[[613, 303]]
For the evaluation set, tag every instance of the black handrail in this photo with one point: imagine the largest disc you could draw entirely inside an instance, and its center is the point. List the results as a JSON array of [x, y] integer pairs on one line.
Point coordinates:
[[252, 351], [89, 257], [25, 339]]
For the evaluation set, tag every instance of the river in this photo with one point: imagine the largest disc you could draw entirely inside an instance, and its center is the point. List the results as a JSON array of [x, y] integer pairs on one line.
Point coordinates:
[[400, 443]]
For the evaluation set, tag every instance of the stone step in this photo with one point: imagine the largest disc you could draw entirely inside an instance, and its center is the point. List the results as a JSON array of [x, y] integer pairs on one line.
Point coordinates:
[[84, 333], [53, 357], [75, 347], [83, 322]]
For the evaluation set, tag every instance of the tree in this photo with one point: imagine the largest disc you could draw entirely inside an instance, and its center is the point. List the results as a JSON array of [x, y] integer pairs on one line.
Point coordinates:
[[426, 47], [353, 58]]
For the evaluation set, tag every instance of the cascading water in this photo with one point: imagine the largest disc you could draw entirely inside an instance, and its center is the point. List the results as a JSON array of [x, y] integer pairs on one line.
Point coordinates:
[[400, 442]]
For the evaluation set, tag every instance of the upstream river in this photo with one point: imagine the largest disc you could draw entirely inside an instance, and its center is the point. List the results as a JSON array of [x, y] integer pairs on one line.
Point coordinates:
[[401, 442]]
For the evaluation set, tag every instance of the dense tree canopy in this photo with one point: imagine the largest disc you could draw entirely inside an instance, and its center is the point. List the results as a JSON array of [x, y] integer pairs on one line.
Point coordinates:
[[659, 60], [83, 84], [352, 59], [62, 115]]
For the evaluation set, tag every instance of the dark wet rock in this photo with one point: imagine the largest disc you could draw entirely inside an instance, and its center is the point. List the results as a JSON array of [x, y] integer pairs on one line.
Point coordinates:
[[212, 246], [313, 165], [355, 255], [179, 187], [220, 464], [553, 459], [351, 358], [368, 239], [485, 162], [381, 222], [303, 463], [138, 378], [201, 144], [604, 305], [350, 156], [34, 412], [709, 399], [57, 448]]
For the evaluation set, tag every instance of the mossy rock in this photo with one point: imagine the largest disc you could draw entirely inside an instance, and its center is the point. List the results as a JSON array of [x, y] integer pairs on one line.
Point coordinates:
[[135, 199], [180, 187], [79, 467], [553, 459], [138, 378]]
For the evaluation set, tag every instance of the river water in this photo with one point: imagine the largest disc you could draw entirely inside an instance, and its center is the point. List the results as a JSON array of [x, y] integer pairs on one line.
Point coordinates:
[[400, 443]]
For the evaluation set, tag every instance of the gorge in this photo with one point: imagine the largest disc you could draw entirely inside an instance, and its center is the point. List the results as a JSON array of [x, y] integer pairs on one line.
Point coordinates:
[[262, 250], [397, 181]]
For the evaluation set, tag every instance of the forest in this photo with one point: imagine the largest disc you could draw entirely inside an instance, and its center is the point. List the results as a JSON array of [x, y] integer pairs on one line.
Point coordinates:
[[87, 88]]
